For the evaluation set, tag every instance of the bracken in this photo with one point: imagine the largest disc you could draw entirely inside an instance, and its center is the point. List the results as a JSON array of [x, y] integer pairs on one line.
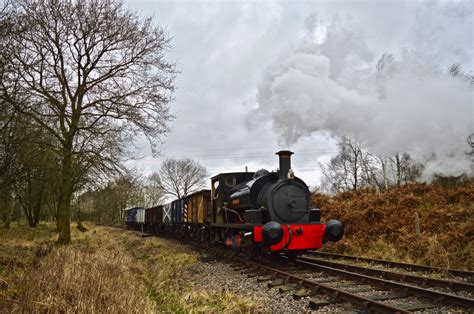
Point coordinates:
[[382, 224]]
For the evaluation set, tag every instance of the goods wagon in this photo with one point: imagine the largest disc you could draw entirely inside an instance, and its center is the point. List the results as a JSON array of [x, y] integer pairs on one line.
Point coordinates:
[[198, 207], [130, 216], [177, 211], [153, 217], [140, 216], [167, 213]]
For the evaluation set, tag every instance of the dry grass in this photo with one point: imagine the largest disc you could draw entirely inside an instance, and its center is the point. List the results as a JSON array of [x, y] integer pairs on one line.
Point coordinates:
[[382, 225], [18, 244], [105, 270], [89, 276], [168, 266]]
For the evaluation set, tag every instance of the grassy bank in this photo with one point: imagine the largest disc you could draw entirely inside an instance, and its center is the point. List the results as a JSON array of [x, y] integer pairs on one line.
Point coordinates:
[[383, 225], [104, 270]]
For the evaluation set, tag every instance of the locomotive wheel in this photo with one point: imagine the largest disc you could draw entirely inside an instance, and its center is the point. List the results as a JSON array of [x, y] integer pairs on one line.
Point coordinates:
[[252, 252]]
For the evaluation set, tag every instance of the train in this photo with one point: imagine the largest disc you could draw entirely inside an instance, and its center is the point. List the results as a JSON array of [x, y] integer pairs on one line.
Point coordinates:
[[250, 212]]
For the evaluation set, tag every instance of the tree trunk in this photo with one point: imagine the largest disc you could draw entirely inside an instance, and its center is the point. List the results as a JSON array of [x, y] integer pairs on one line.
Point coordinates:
[[38, 203], [384, 171], [399, 170], [29, 218], [7, 217], [6, 203], [64, 207], [355, 174]]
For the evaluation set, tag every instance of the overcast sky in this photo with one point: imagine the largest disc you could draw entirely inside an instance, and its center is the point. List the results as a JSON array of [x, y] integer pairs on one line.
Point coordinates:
[[224, 50]]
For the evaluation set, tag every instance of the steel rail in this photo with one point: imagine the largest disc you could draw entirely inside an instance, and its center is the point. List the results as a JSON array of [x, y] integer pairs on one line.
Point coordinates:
[[415, 267], [403, 277], [440, 297], [337, 294]]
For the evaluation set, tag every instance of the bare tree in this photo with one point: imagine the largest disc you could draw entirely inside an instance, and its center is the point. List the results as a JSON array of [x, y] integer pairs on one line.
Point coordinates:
[[87, 70], [405, 169], [456, 71], [383, 164], [8, 166], [180, 177], [153, 194], [354, 167], [38, 169]]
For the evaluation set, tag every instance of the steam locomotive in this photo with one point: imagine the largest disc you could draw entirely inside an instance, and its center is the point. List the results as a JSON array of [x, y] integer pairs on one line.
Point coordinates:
[[250, 212]]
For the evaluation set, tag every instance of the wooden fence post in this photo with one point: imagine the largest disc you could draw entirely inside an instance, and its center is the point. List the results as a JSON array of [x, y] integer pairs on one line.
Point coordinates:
[[417, 224]]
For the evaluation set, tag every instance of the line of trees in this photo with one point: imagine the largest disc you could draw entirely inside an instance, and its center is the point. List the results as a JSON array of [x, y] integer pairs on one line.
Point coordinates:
[[176, 178], [355, 167], [79, 80], [105, 205]]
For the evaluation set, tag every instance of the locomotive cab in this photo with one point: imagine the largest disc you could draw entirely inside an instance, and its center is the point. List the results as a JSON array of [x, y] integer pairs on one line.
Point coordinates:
[[221, 188]]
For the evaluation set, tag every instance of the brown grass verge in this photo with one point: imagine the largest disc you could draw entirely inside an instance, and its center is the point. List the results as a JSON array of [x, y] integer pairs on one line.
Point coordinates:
[[104, 270], [382, 225]]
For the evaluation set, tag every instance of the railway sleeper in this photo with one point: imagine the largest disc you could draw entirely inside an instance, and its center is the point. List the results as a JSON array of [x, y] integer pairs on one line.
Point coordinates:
[[419, 307], [265, 278], [248, 271], [303, 293], [327, 279], [253, 275], [290, 269], [275, 283], [316, 303], [360, 289], [309, 276], [283, 289], [342, 285], [384, 297], [239, 268]]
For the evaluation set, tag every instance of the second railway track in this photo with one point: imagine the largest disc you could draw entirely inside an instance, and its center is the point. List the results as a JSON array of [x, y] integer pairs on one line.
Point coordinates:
[[324, 285], [397, 276], [435, 297], [466, 275]]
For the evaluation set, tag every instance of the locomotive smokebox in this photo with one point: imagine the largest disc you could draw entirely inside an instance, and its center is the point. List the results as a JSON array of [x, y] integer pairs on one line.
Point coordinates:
[[285, 164]]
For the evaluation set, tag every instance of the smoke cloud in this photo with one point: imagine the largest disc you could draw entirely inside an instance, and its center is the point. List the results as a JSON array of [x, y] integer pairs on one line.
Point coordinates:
[[401, 99]]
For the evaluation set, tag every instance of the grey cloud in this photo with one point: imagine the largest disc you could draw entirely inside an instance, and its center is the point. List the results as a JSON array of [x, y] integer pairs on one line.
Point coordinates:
[[330, 85], [242, 59]]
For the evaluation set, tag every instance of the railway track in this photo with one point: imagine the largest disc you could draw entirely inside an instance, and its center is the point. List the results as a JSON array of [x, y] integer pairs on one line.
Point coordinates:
[[467, 275], [397, 276], [324, 285]]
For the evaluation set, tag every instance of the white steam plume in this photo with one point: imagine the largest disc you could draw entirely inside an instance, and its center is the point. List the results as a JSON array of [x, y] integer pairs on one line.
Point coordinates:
[[407, 101]]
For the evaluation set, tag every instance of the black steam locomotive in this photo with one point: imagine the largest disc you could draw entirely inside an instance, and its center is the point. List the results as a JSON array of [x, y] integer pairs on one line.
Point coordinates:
[[249, 211]]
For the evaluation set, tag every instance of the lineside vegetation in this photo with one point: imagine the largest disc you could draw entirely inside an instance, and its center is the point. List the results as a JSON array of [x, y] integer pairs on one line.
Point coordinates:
[[104, 271], [383, 224]]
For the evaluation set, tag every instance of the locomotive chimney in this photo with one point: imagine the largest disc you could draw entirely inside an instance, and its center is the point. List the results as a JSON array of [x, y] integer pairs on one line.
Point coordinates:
[[285, 163]]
